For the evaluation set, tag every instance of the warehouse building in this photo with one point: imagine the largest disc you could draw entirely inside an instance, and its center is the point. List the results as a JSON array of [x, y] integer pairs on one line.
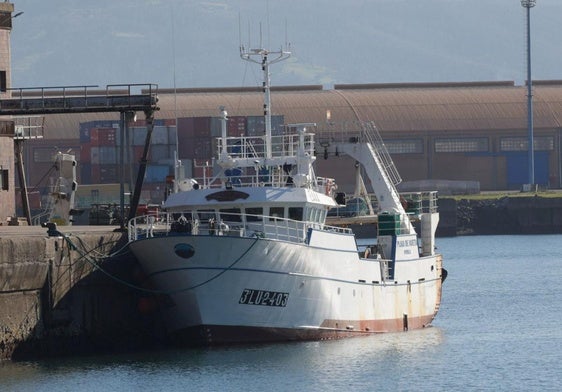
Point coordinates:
[[441, 135]]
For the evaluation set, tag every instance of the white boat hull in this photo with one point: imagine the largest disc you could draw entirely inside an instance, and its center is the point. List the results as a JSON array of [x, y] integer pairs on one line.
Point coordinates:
[[226, 289]]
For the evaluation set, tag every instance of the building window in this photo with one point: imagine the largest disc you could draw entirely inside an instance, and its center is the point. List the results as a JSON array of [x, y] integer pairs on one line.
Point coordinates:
[[404, 146], [541, 143], [3, 82], [4, 180], [459, 144]]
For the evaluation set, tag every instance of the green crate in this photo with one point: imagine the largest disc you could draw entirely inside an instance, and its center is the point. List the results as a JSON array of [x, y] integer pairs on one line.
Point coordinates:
[[389, 224]]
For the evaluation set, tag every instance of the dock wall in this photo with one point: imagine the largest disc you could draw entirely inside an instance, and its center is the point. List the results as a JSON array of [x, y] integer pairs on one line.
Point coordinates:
[[62, 296], [503, 215]]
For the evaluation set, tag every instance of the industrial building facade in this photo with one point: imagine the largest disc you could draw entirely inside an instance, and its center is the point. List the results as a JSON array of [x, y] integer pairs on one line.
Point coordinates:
[[7, 184], [465, 133]]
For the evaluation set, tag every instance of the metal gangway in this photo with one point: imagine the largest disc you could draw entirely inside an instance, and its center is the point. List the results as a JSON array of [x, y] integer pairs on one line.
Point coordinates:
[[123, 98]]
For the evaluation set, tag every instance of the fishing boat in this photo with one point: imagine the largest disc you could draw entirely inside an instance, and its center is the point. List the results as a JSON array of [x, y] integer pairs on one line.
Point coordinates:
[[246, 255]]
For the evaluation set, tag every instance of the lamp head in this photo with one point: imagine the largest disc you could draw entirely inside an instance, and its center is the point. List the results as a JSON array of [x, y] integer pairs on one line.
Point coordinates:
[[528, 3]]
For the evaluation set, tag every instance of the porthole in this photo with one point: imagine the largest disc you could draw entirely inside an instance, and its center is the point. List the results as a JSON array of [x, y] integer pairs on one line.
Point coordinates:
[[184, 251]]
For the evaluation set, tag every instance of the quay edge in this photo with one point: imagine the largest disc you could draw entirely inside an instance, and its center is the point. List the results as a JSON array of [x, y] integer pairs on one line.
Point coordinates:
[[54, 301], [501, 215]]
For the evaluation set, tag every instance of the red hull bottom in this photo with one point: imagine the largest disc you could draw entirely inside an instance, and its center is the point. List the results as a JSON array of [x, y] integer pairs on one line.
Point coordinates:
[[208, 335]]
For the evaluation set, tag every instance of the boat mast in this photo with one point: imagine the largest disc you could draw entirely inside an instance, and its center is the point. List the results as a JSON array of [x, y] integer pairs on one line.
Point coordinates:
[[264, 60]]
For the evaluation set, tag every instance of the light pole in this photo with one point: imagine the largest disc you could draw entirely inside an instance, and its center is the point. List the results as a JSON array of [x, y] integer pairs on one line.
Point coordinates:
[[528, 4]]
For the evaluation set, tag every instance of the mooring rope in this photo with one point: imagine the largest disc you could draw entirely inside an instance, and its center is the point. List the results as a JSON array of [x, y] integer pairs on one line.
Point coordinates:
[[97, 266]]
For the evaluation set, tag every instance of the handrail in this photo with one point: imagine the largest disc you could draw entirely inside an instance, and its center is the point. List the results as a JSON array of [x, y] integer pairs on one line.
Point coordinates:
[[71, 99], [226, 223]]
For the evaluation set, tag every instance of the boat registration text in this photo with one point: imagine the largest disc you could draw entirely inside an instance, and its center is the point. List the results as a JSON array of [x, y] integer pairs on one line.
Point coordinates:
[[263, 298]]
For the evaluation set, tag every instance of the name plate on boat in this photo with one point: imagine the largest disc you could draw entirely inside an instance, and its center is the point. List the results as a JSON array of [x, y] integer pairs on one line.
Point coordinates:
[[263, 298]]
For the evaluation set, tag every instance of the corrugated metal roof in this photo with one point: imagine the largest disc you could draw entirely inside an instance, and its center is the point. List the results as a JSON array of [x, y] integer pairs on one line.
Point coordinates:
[[396, 108]]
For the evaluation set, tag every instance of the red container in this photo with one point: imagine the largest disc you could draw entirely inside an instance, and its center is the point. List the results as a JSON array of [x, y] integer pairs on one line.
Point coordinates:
[[202, 126], [85, 153], [137, 154], [186, 127], [236, 126], [106, 136], [202, 148], [95, 175], [94, 136]]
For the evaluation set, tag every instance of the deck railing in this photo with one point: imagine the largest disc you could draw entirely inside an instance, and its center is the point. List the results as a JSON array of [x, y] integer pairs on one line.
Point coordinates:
[[225, 224]]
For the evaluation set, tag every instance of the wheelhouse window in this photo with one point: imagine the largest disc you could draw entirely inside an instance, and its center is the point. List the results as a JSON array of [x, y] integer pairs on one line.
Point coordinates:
[[230, 214], [254, 214], [276, 212], [205, 215], [313, 214], [296, 213]]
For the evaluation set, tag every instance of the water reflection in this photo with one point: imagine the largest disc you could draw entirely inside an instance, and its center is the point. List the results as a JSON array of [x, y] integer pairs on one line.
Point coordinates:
[[291, 365]]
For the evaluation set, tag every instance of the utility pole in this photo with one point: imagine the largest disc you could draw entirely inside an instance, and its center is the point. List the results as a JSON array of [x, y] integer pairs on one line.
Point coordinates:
[[528, 4]]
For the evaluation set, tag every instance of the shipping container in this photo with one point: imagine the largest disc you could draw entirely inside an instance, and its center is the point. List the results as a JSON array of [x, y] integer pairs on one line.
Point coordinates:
[[172, 151], [202, 126], [94, 136], [84, 135], [108, 155], [105, 136], [85, 173], [95, 174], [236, 126], [157, 173], [277, 123], [255, 126], [186, 127], [159, 135], [186, 148], [137, 152], [118, 137], [85, 153], [159, 152], [172, 135], [95, 155], [216, 126], [103, 155], [139, 135], [202, 148], [109, 174]]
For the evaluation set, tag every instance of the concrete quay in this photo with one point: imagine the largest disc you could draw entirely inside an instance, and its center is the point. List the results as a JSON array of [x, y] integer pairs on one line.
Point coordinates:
[[74, 293]]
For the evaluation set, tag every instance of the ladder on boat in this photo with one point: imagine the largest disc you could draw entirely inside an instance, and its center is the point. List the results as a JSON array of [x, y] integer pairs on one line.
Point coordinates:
[[365, 145]]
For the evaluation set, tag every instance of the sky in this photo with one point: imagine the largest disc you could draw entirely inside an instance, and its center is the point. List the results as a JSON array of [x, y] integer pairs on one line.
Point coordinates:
[[188, 43]]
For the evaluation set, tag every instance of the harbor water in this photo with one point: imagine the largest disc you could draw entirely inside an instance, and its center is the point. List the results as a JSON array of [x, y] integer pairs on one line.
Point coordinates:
[[498, 329]]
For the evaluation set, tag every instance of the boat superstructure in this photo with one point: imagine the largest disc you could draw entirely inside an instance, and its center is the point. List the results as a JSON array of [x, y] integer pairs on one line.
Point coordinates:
[[245, 255]]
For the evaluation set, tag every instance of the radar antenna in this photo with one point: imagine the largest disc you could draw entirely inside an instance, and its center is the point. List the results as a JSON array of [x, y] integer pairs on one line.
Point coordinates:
[[262, 56]]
